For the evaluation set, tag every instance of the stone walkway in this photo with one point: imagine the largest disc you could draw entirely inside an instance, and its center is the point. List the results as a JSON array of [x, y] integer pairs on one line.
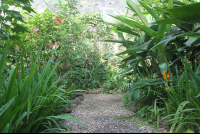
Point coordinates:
[[103, 113]]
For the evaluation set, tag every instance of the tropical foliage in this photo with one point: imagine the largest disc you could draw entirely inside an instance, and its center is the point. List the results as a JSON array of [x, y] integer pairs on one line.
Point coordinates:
[[163, 57], [45, 58]]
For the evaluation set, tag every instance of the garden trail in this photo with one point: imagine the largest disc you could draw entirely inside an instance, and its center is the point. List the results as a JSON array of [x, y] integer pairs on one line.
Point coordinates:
[[103, 113]]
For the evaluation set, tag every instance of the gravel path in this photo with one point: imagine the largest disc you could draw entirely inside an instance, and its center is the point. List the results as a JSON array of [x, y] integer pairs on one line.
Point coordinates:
[[103, 113]]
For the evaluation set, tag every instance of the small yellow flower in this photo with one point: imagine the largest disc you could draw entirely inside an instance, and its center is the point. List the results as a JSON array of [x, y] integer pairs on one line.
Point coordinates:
[[112, 68], [101, 54], [100, 59], [184, 51], [123, 57]]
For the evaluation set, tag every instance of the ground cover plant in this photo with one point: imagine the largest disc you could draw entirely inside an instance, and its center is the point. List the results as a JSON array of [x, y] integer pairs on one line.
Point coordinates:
[[162, 44]]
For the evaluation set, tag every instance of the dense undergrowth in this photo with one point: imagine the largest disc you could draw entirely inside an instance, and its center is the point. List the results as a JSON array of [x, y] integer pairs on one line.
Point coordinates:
[[46, 57], [163, 57]]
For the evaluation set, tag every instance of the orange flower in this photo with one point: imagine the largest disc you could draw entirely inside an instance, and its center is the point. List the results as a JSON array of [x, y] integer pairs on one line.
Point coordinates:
[[61, 65], [67, 63], [100, 59], [164, 75], [95, 67]]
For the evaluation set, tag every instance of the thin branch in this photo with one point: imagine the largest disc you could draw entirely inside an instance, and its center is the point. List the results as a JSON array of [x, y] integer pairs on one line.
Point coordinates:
[[48, 6]]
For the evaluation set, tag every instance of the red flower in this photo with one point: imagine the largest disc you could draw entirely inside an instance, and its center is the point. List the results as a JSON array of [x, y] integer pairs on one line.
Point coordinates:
[[62, 21], [58, 26], [56, 19], [36, 30], [50, 45], [56, 44], [95, 67], [81, 31], [73, 39], [67, 63], [61, 65], [16, 48]]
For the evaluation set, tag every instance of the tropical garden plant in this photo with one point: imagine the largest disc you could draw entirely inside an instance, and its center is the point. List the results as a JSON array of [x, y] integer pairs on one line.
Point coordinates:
[[162, 39]]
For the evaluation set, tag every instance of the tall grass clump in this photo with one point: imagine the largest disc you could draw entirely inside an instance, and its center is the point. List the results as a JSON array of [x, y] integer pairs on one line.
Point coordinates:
[[28, 98]]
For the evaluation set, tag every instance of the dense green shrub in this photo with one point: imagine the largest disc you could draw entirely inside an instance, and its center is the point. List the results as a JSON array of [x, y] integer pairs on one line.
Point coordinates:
[[162, 38]]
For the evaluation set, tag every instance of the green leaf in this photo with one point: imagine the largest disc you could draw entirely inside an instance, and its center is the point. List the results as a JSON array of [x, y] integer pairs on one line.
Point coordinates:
[[144, 83], [19, 28], [138, 59], [28, 9], [11, 116], [6, 129], [127, 31], [2, 65], [178, 112], [160, 9], [167, 21], [156, 17], [175, 2], [187, 13], [120, 79], [109, 54], [3, 37], [170, 4], [132, 23], [16, 14], [190, 41], [136, 9], [5, 106], [160, 33], [117, 41], [146, 46], [198, 95], [163, 67], [187, 65], [14, 37], [135, 95], [116, 23], [67, 117], [121, 37], [171, 38]]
